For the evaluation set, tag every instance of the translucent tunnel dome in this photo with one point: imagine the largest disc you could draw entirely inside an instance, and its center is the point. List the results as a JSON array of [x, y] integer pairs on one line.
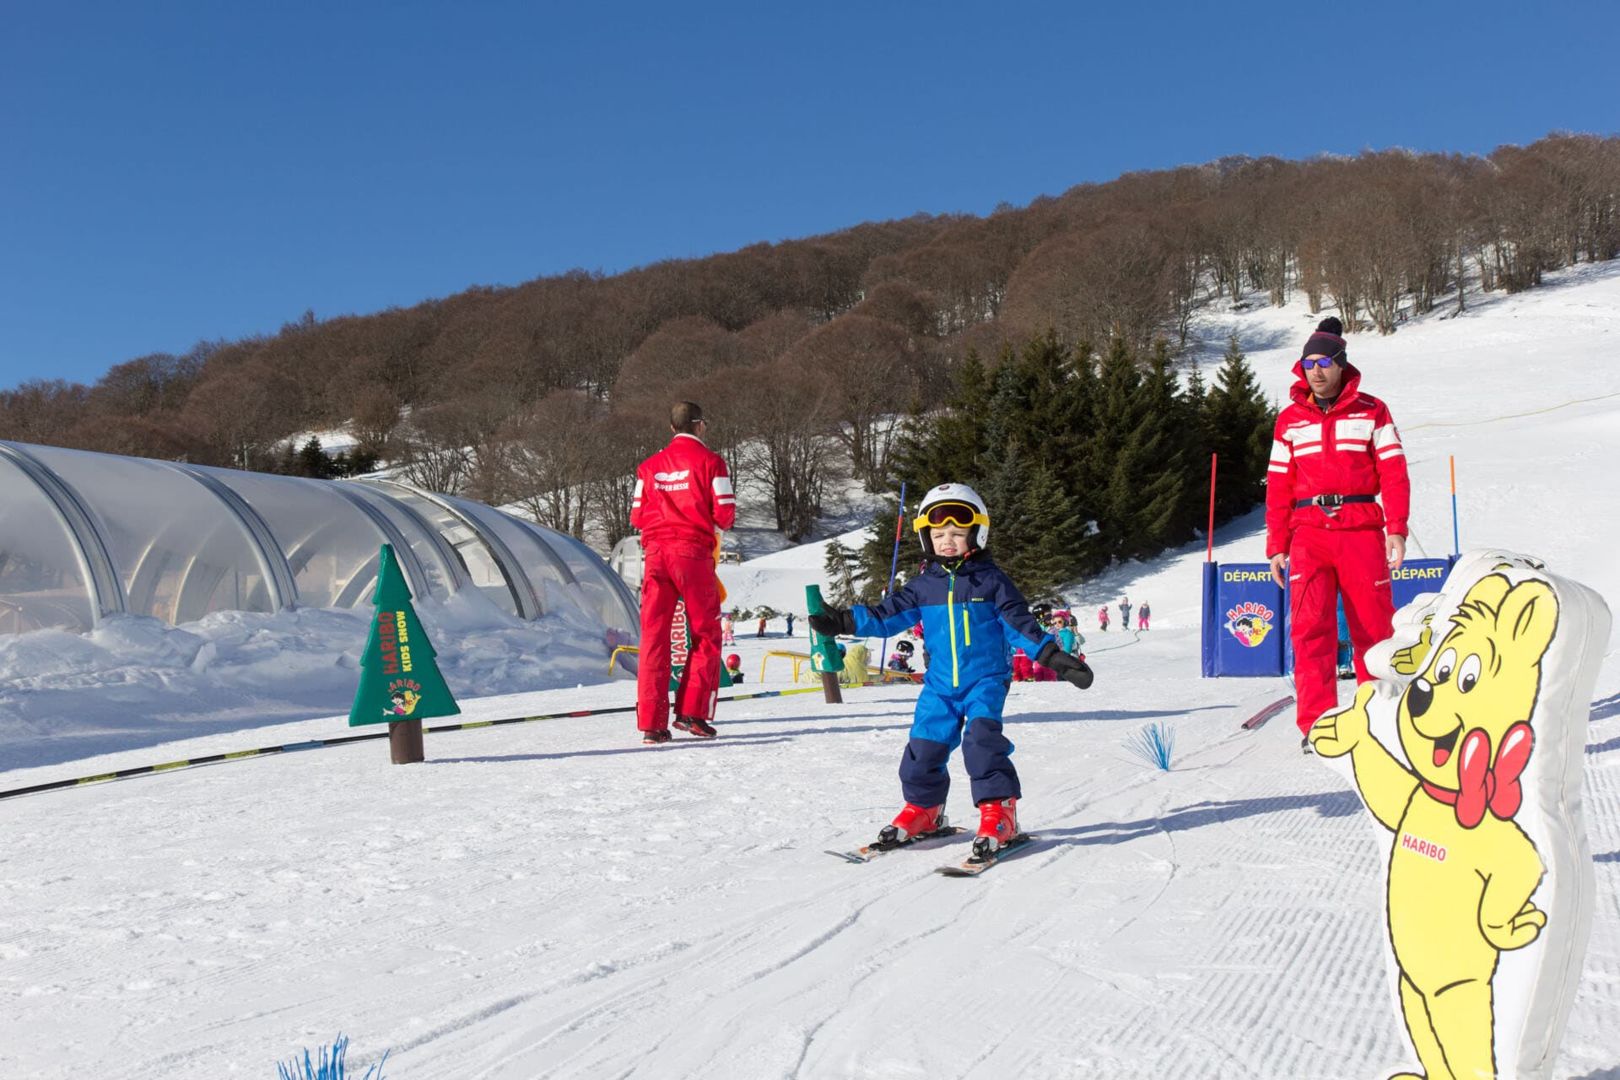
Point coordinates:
[[86, 535]]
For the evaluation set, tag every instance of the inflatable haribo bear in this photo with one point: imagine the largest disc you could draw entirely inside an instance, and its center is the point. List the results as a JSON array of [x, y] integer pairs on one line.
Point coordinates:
[[1468, 749]]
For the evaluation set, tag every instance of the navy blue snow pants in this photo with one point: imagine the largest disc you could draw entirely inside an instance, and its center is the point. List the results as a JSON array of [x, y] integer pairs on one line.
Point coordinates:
[[969, 717]]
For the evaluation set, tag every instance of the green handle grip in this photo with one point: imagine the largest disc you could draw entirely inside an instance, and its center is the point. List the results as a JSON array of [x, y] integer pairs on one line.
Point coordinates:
[[823, 649]]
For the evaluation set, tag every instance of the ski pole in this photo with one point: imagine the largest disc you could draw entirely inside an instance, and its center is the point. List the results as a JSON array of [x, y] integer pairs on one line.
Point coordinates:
[[894, 567]]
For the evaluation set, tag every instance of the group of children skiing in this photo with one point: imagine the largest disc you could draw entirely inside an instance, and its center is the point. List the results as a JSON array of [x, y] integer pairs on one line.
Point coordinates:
[[1143, 615]]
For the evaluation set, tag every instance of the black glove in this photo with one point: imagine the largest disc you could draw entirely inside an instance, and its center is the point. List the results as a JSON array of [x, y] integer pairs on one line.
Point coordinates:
[[1067, 667], [833, 621]]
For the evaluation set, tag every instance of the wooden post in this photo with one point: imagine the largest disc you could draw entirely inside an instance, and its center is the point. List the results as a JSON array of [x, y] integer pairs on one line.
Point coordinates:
[[405, 742], [829, 688]]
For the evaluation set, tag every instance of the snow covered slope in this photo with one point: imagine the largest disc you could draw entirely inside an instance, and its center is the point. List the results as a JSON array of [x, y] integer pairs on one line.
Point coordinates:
[[554, 900]]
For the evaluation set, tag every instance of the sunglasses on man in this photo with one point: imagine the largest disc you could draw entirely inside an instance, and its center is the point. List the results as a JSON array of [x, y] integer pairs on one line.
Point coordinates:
[[1317, 361]]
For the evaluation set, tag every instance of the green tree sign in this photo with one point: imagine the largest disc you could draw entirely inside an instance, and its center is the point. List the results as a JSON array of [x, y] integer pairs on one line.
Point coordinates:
[[399, 679]]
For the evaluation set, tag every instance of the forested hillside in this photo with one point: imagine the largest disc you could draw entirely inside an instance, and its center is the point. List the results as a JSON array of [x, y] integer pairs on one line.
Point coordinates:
[[546, 393]]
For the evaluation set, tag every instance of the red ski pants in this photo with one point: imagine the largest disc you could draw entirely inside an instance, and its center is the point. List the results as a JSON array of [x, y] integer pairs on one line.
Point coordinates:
[[1322, 565], [671, 575]]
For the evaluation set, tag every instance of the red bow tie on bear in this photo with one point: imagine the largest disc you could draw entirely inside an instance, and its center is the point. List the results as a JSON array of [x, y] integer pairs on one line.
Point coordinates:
[[1483, 786]]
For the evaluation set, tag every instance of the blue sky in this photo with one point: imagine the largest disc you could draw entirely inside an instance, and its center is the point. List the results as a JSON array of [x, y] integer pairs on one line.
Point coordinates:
[[173, 172]]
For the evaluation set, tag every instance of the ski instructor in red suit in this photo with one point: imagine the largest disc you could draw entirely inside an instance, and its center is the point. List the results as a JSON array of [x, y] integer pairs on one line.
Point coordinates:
[[1335, 453], [683, 494]]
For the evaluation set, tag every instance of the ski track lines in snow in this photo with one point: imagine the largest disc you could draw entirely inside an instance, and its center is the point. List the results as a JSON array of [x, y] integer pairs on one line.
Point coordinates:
[[491, 914], [497, 893], [1598, 1001]]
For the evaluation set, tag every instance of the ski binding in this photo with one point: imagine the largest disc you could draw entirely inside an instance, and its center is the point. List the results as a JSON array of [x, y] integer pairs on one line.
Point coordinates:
[[882, 847], [979, 862]]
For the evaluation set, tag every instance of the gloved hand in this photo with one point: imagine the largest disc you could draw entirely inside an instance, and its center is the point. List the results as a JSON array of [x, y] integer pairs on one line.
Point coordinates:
[[833, 621], [1067, 667]]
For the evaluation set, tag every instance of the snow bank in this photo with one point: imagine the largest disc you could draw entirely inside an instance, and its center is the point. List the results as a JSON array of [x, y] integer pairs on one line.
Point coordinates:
[[136, 681]]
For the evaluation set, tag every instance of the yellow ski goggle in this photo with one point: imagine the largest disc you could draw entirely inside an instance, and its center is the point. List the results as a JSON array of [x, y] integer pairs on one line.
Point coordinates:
[[940, 514]]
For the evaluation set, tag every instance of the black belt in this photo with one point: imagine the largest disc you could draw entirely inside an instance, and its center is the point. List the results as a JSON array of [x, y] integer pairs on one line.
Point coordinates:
[[1335, 501]]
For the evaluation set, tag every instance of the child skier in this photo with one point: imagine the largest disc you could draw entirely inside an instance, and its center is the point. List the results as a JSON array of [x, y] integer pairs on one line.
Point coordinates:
[[1102, 617], [734, 667], [972, 615], [900, 659], [1069, 639]]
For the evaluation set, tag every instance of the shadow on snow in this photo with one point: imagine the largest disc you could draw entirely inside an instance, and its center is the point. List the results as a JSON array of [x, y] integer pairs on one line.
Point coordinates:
[[1327, 804]]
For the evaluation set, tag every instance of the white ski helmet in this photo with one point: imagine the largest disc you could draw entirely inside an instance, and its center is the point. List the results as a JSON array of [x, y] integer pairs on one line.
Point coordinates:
[[952, 504]]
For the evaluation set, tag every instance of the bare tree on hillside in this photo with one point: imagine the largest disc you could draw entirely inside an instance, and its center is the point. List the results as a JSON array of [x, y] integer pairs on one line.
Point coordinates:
[[148, 384], [787, 408], [374, 415], [913, 309], [464, 446], [161, 435], [826, 276], [681, 351], [766, 339], [241, 413], [865, 365], [552, 460], [964, 271], [1115, 281], [617, 442], [41, 410]]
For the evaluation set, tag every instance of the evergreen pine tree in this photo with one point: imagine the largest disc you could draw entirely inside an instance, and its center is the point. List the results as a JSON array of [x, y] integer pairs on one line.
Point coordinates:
[[940, 447], [1193, 403], [874, 558], [1007, 474], [312, 460], [1044, 513], [1158, 460], [1118, 399], [839, 566], [1240, 425], [1078, 461]]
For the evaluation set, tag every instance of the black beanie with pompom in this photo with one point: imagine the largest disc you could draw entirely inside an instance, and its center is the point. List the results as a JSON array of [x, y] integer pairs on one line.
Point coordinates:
[[1327, 341]]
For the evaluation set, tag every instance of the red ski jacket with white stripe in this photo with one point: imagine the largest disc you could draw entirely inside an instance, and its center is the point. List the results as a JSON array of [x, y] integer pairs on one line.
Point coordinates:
[[1351, 448], [683, 493]]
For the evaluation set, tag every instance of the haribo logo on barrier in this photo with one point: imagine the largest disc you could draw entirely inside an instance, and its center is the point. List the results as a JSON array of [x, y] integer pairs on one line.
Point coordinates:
[[1249, 622]]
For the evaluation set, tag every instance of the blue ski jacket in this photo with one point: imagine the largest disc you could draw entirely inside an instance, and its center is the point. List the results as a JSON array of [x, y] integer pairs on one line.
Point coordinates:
[[972, 617]]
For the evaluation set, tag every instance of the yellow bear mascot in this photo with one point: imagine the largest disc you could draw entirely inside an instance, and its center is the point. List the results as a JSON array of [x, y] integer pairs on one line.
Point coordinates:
[[1485, 689]]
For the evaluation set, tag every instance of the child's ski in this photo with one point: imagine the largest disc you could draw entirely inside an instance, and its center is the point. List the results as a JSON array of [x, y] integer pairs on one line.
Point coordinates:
[[975, 866], [1267, 713], [878, 847]]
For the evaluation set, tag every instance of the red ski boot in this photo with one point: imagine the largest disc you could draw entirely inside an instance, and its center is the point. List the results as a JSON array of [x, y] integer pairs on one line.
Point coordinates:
[[911, 822], [998, 824], [695, 726]]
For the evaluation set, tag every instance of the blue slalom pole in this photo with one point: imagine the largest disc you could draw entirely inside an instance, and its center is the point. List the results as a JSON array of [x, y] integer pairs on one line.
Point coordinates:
[[1456, 545], [894, 568]]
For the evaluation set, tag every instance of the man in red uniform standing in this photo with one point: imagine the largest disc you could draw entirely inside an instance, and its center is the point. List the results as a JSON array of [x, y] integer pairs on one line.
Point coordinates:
[[1335, 452], [683, 494]]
